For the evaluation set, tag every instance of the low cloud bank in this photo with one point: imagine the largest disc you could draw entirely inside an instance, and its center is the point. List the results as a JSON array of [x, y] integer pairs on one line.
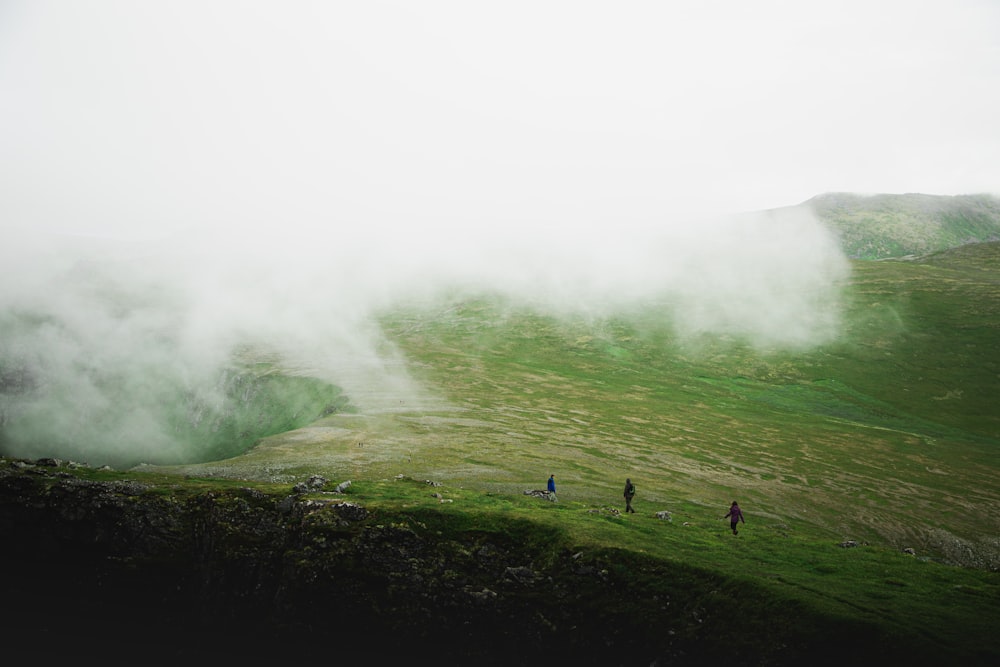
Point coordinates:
[[100, 334]]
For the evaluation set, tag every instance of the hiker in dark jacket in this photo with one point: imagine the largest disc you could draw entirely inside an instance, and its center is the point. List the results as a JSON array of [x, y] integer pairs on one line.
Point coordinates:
[[552, 483], [629, 494], [735, 515]]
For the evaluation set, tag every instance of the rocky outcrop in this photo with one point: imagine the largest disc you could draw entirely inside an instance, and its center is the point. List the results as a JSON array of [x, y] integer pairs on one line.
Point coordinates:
[[248, 574]]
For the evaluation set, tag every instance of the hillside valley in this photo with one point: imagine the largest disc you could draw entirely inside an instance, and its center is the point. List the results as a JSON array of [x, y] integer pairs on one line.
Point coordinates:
[[318, 495]]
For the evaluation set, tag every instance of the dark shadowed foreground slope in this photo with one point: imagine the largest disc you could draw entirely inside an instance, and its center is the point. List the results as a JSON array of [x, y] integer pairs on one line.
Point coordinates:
[[155, 571]]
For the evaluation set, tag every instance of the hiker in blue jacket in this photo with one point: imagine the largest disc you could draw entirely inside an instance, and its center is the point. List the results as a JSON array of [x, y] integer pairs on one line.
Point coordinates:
[[552, 483]]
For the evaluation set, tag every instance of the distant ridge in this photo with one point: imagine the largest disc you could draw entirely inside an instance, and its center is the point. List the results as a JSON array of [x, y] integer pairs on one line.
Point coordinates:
[[899, 225]]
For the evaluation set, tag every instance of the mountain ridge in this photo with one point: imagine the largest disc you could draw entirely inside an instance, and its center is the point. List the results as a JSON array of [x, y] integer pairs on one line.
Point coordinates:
[[882, 226]]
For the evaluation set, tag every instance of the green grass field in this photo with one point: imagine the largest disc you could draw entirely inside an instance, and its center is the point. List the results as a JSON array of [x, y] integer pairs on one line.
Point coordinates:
[[888, 437]]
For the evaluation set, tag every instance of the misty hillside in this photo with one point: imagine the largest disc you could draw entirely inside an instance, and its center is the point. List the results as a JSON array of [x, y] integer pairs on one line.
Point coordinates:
[[896, 412], [890, 225], [126, 353], [850, 405], [866, 466]]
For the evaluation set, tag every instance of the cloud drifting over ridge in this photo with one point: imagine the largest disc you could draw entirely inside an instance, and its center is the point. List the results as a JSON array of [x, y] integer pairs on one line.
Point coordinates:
[[106, 341], [235, 169]]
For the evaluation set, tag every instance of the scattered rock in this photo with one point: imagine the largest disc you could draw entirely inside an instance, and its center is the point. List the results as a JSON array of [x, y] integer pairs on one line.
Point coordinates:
[[314, 483], [350, 511], [848, 544], [522, 574], [664, 516], [128, 487], [538, 493], [313, 505], [483, 596], [606, 510]]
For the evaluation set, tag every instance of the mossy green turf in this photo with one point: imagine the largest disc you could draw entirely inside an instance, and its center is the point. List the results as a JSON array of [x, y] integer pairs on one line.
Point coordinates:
[[888, 225], [887, 436]]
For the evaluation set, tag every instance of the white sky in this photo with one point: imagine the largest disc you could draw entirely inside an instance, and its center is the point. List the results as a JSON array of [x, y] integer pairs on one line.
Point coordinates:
[[134, 118]]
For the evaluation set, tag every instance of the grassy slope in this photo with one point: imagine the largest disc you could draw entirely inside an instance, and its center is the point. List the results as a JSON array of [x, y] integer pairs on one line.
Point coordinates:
[[888, 437], [887, 225]]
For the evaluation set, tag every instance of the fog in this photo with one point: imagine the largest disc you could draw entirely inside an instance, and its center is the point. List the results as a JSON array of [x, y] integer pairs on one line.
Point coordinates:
[[180, 179], [101, 338]]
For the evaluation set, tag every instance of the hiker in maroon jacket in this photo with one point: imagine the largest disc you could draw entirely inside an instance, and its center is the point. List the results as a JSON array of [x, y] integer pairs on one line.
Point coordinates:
[[735, 515]]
